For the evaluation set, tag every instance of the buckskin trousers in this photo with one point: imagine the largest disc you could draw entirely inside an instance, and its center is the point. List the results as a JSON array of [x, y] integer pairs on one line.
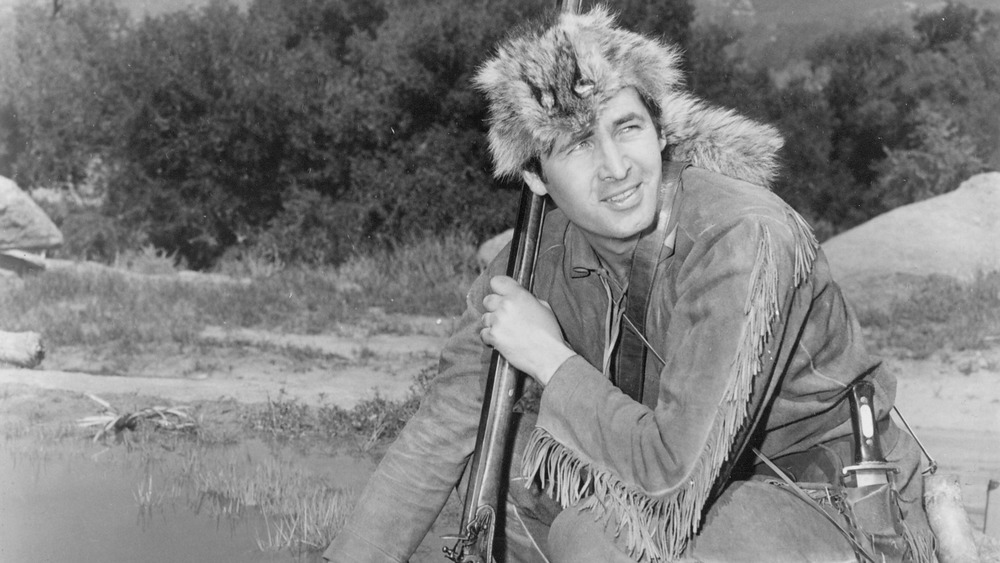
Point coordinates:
[[753, 520]]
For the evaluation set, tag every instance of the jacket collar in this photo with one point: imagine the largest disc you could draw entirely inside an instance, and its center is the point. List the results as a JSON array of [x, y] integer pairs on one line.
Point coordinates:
[[583, 260]]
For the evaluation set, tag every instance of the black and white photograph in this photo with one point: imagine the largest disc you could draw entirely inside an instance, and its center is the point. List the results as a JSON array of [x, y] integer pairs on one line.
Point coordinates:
[[500, 281]]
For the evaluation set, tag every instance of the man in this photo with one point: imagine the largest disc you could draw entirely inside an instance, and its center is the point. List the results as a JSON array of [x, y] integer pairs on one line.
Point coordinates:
[[750, 344]]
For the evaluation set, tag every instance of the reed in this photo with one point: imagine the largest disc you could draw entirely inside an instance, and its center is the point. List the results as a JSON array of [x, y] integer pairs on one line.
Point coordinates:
[[301, 512]]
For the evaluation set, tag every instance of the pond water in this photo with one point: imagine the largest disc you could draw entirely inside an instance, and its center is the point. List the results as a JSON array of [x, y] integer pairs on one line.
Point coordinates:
[[90, 503]]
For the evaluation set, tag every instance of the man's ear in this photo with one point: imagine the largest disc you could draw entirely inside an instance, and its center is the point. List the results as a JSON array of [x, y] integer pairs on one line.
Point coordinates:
[[663, 141], [535, 184]]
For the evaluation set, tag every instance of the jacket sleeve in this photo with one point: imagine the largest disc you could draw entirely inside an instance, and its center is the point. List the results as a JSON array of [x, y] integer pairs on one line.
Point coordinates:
[[654, 469], [413, 481]]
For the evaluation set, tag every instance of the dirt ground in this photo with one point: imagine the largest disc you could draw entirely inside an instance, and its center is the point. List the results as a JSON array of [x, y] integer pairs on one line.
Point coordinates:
[[951, 400]]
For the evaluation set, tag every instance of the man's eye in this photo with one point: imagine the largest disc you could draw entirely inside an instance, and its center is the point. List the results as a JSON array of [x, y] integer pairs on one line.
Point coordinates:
[[631, 127], [581, 146]]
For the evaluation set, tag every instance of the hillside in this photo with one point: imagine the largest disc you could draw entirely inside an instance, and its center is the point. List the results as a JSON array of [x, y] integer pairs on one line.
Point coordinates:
[[779, 31], [954, 234]]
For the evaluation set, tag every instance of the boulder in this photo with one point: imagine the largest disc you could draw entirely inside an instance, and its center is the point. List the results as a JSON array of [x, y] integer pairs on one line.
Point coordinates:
[[23, 225], [955, 234], [21, 349], [489, 249]]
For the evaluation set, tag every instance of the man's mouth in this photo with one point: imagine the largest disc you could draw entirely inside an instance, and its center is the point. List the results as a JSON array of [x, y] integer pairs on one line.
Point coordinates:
[[622, 196]]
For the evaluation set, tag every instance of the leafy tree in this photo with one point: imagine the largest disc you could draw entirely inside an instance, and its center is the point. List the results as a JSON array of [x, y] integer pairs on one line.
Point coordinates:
[[899, 100], [428, 185], [794, 103], [938, 160], [863, 92], [57, 104], [669, 19], [206, 140], [955, 22], [710, 64], [314, 129]]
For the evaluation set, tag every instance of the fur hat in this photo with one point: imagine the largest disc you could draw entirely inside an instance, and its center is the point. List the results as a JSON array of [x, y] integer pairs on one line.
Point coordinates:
[[546, 81]]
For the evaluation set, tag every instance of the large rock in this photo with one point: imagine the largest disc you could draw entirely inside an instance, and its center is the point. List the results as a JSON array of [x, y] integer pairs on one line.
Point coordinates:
[[21, 349], [955, 234], [23, 225], [489, 249]]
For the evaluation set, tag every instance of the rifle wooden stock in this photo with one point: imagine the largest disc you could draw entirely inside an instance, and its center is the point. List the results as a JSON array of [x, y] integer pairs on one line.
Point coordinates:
[[487, 489]]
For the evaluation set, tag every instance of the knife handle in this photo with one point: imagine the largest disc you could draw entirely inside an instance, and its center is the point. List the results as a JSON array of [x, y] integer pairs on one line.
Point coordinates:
[[867, 448]]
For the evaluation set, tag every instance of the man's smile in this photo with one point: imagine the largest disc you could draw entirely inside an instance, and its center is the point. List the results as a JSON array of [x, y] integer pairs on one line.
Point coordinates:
[[624, 198]]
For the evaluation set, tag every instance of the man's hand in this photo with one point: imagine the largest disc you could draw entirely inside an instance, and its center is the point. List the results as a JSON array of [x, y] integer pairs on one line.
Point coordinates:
[[523, 329]]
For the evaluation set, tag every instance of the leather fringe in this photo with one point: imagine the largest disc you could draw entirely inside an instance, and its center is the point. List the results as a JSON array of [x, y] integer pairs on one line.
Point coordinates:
[[659, 529], [806, 246]]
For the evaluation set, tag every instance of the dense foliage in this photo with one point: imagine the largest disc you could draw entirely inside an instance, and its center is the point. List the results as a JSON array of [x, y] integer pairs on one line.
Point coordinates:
[[305, 131], [874, 119]]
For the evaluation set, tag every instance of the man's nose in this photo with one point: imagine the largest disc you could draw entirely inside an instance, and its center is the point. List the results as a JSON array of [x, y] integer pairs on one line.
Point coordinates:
[[614, 164]]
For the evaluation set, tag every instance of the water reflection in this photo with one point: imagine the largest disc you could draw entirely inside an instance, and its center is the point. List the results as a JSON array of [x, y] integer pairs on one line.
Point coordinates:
[[71, 500]]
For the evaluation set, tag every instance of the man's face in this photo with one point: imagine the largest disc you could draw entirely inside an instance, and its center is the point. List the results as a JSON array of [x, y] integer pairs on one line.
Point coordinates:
[[606, 180]]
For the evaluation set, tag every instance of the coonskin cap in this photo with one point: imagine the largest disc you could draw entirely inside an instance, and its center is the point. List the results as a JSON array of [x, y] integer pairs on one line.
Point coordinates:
[[547, 80]]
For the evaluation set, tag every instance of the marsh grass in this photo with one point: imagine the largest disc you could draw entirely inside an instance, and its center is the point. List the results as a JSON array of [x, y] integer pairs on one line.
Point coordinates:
[[301, 511], [39, 433], [311, 526], [942, 313], [274, 488], [371, 422]]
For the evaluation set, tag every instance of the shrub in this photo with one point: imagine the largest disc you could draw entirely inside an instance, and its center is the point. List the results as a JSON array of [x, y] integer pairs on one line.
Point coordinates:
[[91, 235], [940, 159], [427, 276], [942, 313], [311, 229], [428, 187]]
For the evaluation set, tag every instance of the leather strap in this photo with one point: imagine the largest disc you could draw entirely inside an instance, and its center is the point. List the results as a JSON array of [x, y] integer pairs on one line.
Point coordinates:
[[629, 373]]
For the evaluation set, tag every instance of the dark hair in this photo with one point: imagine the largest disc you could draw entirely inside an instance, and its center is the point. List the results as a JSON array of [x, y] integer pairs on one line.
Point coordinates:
[[655, 112], [534, 165]]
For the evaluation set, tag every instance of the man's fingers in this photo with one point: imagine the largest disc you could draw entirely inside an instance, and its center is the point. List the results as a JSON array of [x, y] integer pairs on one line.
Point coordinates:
[[504, 285], [505, 292]]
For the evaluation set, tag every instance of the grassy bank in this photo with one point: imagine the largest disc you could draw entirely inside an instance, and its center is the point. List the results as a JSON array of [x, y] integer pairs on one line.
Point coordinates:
[[104, 308]]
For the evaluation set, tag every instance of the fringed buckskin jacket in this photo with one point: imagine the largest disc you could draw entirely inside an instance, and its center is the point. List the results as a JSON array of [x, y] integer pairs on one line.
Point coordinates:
[[742, 303]]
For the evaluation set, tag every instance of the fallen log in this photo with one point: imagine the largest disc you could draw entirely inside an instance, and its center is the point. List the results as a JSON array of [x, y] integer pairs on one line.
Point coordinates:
[[949, 521], [21, 349], [20, 262]]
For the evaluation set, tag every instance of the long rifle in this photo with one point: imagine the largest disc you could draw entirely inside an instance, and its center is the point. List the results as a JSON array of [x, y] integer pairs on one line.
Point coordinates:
[[486, 494]]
